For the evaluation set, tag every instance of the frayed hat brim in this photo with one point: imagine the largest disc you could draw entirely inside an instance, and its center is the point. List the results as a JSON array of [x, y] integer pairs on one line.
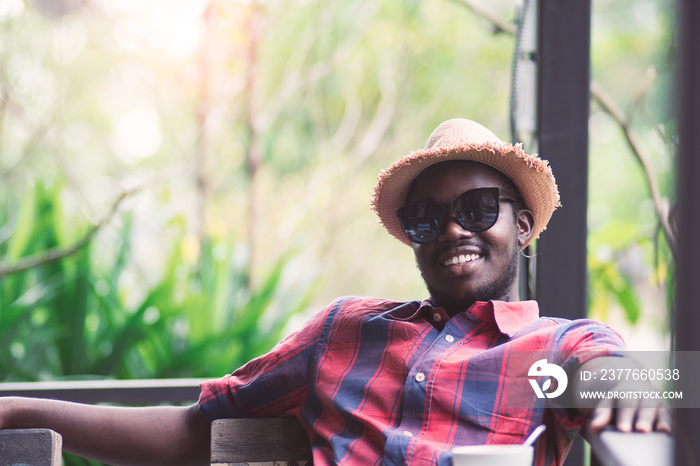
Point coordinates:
[[466, 140]]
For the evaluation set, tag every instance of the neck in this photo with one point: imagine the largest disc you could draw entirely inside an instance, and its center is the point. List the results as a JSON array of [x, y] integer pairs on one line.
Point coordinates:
[[454, 307]]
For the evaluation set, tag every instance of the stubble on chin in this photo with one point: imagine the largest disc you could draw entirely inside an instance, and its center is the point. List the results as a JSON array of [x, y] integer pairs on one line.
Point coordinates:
[[488, 292]]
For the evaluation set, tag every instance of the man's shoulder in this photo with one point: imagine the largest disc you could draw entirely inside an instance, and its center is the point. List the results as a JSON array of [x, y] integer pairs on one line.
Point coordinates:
[[571, 323], [580, 330], [362, 305], [352, 308]]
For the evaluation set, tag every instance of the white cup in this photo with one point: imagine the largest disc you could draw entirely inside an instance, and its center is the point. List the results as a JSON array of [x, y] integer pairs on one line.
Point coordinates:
[[493, 455]]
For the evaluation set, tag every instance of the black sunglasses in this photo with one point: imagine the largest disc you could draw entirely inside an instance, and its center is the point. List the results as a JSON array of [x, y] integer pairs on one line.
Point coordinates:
[[476, 210]]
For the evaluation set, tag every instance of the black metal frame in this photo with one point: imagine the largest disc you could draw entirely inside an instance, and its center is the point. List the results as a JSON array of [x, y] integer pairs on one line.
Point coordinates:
[[563, 110], [687, 314], [138, 391], [563, 105]]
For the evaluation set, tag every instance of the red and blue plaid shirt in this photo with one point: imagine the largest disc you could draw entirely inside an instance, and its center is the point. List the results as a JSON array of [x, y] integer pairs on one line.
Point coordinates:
[[383, 382]]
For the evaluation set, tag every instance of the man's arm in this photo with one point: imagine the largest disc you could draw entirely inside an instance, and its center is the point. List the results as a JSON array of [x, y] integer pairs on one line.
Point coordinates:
[[116, 435], [641, 415]]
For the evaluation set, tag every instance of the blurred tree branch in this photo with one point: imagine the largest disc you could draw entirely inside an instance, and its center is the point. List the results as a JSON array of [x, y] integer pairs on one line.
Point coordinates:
[[39, 130], [660, 204], [498, 25], [302, 73], [295, 79], [57, 253], [202, 151], [254, 150], [382, 118], [608, 104]]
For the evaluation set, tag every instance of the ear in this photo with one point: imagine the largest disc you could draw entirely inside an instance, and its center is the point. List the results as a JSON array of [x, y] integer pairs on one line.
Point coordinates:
[[525, 223]]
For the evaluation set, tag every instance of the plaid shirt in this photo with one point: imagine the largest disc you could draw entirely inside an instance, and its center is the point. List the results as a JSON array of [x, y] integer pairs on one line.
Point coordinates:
[[384, 382]]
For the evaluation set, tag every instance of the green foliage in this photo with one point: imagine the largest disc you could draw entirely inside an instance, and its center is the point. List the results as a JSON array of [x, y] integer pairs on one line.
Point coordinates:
[[257, 130], [71, 318], [606, 281], [629, 258]]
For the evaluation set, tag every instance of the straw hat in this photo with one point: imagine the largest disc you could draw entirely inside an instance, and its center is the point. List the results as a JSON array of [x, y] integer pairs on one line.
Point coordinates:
[[462, 139]]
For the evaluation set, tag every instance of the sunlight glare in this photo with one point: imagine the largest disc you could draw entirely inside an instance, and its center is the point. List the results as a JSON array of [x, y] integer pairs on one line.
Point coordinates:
[[68, 43], [646, 15], [11, 8], [178, 26], [137, 134], [172, 26]]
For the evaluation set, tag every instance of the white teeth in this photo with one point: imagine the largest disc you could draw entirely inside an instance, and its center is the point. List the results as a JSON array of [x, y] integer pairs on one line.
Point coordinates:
[[461, 259]]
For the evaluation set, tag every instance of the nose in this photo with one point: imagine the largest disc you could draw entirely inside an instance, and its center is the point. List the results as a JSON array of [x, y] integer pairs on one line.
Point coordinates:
[[453, 230]]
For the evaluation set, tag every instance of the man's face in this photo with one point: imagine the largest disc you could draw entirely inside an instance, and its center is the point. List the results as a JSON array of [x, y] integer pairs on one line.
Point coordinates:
[[487, 264]]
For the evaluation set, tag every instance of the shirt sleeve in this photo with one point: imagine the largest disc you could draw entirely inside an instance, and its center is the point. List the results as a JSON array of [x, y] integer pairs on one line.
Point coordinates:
[[272, 385], [580, 341]]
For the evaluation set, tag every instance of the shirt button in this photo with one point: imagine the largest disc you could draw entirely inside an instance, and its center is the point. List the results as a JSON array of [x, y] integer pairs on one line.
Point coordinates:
[[437, 317], [420, 377], [407, 433], [449, 338]]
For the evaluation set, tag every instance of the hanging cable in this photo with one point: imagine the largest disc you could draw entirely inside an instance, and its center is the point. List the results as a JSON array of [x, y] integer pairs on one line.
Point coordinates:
[[514, 72]]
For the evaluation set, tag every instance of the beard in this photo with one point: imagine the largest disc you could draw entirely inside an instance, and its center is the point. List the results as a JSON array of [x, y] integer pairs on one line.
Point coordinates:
[[488, 292]]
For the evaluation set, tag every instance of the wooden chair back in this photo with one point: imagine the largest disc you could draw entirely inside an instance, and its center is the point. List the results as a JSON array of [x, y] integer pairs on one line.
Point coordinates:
[[264, 440], [38, 447], [614, 448]]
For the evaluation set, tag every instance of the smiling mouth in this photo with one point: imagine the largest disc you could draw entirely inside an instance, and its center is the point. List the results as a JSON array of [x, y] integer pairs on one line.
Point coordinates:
[[461, 259]]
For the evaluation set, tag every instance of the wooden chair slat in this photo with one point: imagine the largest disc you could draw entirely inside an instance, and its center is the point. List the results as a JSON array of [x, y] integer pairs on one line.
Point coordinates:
[[259, 441], [38, 447]]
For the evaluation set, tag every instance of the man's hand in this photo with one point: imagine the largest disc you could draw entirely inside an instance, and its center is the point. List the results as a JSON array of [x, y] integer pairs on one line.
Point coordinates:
[[627, 414]]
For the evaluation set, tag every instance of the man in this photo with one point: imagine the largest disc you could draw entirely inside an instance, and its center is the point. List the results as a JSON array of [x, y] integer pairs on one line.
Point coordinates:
[[377, 381]]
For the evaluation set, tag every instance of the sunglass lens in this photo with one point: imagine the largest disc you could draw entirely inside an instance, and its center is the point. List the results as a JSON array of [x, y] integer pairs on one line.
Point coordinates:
[[422, 221], [477, 210]]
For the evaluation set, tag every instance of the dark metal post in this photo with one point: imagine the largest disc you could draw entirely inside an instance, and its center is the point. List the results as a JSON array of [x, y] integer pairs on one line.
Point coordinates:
[[563, 110], [564, 83], [687, 318]]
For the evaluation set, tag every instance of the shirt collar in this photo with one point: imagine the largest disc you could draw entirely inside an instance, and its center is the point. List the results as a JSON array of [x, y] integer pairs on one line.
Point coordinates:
[[408, 311], [509, 317]]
